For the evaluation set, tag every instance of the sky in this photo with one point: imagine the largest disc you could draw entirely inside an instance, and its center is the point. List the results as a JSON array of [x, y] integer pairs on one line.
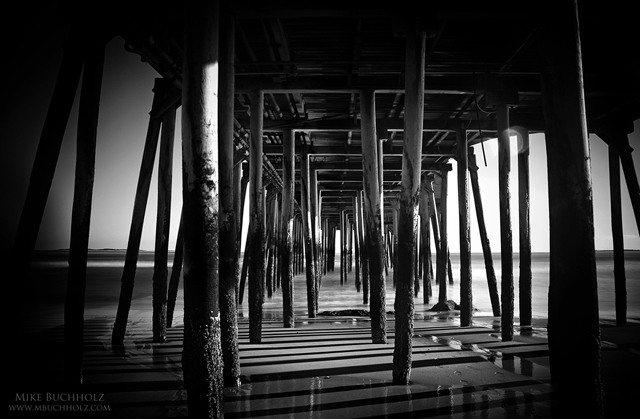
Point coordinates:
[[124, 114]]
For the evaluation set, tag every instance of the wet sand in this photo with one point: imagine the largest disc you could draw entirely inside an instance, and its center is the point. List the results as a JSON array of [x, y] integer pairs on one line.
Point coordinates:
[[334, 370]]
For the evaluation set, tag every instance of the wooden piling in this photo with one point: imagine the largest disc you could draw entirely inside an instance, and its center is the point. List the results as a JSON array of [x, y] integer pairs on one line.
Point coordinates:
[[256, 223], [81, 213], [506, 241], [619, 274], [492, 283], [176, 270], [307, 226], [363, 252], [202, 352], [163, 223], [137, 220], [395, 205], [524, 283], [573, 304], [425, 234], [286, 246], [443, 257], [238, 204], [466, 294], [372, 217], [228, 212], [357, 243], [343, 248], [46, 157], [409, 201], [272, 217], [315, 222]]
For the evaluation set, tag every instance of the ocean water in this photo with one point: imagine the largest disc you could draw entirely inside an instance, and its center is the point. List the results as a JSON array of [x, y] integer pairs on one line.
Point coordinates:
[[540, 283], [104, 271]]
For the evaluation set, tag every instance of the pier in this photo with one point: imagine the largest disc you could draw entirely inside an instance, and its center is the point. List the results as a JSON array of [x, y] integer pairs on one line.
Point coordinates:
[[342, 121]]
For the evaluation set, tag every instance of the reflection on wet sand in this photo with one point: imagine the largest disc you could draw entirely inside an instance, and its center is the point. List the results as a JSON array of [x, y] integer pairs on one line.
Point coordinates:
[[325, 367]]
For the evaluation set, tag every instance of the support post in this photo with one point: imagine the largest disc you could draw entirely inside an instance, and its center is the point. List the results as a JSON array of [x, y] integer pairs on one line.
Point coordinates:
[[363, 251], [256, 223], [228, 212], [315, 221], [343, 247], [357, 243], [160, 271], [286, 247], [619, 274], [202, 352], [492, 282], [137, 219], [425, 234], [372, 216], [443, 256], [81, 213], [409, 201], [307, 226], [466, 294], [573, 294], [46, 158], [506, 243], [524, 283], [239, 189], [176, 270]]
